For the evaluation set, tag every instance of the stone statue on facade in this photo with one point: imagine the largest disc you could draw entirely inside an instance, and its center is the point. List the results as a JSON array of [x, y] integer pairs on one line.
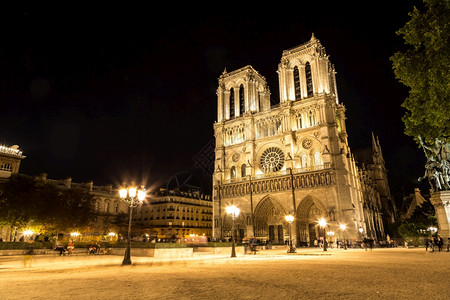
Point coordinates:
[[437, 167]]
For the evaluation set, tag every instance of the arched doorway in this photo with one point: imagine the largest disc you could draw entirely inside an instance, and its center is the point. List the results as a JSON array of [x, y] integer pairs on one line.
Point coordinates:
[[269, 220], [308, 212]]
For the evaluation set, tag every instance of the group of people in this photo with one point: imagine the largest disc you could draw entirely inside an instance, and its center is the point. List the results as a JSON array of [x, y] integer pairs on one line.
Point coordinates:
[[434, 241], [95, 248], [60, 247], [368, 243]]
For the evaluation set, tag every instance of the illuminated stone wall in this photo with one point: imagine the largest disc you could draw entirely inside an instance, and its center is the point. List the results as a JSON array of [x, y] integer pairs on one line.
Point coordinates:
[[291, 158]]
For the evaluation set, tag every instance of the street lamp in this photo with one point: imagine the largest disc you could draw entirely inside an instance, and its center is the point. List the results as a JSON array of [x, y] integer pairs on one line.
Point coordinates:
[[133, 198], [112, 235], [331, 235], [28, 233], [343, 227], [74, 235], [432, 229], [233, 211], [323, 224], [290, 219]]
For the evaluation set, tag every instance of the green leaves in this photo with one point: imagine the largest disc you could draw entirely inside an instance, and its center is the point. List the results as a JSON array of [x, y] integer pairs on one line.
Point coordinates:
[[26, 200], [425, 69]]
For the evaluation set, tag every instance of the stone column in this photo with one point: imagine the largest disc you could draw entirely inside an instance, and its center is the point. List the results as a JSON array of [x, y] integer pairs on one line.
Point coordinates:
[[220, 106], [282, 82], [290, 84], [226, 105], [441, 203]]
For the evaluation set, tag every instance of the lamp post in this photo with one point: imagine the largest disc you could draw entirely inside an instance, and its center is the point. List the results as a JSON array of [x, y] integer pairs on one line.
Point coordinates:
[[133, 198], [343, 227], [323, 223], [112, 235], [361, 232], [74, 235], [28, 233], [331, 237], [290, 219], [233, 211]]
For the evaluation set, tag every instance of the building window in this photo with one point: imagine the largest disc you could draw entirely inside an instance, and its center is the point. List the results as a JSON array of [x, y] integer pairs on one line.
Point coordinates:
[[317, 160], [259, 102], [241, 100], [312, 118], [299, 121], [233, 172], [243, 170], [309, 84], [298, 92], [304, 160], [6, 167], [231, 103]]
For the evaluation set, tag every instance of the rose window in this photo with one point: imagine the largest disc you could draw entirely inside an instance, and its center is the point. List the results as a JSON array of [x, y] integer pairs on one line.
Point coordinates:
[[272, 160]]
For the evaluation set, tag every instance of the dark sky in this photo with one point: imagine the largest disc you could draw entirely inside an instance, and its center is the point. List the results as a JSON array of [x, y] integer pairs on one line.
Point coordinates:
[[109, 93]]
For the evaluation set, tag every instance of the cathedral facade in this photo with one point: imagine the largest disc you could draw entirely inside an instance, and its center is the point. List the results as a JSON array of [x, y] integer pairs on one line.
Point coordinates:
[[292, 158]]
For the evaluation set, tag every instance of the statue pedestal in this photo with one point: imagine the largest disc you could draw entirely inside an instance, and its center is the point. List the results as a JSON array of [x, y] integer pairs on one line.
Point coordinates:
[[441, 203]]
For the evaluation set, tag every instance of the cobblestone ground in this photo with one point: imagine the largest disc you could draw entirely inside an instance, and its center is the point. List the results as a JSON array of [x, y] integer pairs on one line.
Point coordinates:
[[308, 274]]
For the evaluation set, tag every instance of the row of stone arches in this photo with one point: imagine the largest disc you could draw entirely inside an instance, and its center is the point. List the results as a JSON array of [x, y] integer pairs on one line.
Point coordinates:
[[269, 222]]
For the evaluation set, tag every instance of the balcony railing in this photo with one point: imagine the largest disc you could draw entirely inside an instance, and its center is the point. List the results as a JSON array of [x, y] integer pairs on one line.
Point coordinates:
[[279, 173], [280, 182]]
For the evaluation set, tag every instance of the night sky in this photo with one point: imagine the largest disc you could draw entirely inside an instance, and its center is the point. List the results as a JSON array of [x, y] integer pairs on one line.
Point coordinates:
[[114, 93]]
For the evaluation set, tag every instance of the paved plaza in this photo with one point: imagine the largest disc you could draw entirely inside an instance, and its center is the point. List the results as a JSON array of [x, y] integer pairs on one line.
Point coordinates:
[[394, 273]]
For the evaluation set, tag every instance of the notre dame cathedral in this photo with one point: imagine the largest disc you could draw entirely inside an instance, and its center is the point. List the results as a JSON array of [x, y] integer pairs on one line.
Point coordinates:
[[293, 158]]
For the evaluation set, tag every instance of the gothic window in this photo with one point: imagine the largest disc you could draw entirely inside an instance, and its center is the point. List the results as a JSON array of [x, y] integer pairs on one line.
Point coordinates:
[[243, 170], [299, 121], [259, 102], [279, 129], [304, 160], [241, 100], [273, 128], [312, 118], [298, 91], [231, 103], [272, 160], [317, 160], [233, 172], [309, 84], [6, 167]]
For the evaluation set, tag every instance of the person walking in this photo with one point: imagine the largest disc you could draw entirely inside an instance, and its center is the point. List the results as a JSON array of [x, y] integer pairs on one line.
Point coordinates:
[[432, 244], [439, 243], [28, 259]]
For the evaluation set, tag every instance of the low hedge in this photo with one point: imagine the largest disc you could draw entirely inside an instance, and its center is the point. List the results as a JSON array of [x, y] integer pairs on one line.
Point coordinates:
[[49, 245]]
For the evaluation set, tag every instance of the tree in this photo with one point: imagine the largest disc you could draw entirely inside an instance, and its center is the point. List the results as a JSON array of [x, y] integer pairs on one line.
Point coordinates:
[[76, 209], [27, 200], [425, 68], [415, 227], [17, 205]]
